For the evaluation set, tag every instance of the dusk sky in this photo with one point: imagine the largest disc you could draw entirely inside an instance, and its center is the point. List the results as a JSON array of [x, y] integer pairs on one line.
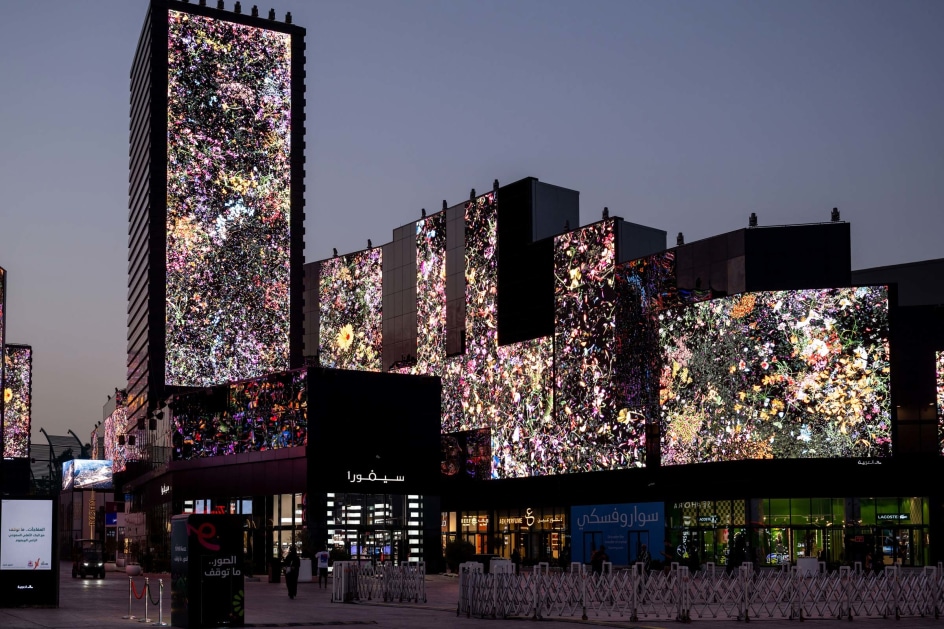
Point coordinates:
[[684, 116]]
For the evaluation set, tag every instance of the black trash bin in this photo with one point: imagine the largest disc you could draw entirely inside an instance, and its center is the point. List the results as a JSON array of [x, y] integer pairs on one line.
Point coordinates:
[[275, 571]]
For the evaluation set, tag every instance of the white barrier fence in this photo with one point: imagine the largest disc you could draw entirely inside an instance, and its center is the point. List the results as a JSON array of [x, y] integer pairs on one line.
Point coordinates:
[[405, 583], [745, 594]]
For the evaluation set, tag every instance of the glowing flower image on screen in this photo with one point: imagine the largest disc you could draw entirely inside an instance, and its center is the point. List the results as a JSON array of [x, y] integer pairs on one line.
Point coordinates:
[[644, 287], [504, 391], [228, 201], [431, 294], [940, 398], [597, 432], [17, 398], [780, 374], [267, 413], [118, 424], [351, 302]]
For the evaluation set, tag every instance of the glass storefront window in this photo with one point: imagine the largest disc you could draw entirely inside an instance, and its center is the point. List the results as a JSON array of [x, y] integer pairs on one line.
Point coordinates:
[[800, 512], [778, 512]]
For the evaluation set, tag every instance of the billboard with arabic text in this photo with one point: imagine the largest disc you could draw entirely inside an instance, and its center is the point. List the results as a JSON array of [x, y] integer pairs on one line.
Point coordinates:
[[622, 528]]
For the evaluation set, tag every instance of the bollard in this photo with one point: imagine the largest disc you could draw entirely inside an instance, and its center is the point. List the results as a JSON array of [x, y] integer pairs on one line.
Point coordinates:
[[130, 588], [146, 602], [160, 605]]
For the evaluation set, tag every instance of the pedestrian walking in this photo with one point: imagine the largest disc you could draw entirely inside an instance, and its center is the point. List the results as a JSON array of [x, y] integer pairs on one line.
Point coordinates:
[[322, 558], [597, 559], [290, 567]]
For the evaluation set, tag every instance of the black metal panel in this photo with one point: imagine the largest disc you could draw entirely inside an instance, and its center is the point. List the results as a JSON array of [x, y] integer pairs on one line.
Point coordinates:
[[373, 432], [798, 256]]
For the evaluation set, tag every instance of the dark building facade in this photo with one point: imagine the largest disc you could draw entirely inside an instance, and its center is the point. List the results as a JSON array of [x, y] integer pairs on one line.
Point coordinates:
[[741, 398], [701, 385]]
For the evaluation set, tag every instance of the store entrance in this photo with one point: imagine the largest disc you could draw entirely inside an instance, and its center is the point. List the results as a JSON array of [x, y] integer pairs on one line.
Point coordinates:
[[591, 541], [902, 544], [636, 540]]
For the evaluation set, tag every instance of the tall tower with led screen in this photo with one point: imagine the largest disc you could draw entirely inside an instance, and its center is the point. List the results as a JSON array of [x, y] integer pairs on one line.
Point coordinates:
[[216, 206], [3, 297]]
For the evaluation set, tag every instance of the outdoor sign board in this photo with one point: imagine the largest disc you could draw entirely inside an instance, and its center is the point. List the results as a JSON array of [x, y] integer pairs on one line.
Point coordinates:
[[207, 571], [29, 574], [622, 528]]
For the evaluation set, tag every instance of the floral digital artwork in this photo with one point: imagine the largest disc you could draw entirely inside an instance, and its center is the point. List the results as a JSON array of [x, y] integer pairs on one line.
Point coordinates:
[[351, 311], [228, 201], [940, 399], [431, 294], [119, 424], [17, 400], [597, 433], [256, 415], [779, 374]]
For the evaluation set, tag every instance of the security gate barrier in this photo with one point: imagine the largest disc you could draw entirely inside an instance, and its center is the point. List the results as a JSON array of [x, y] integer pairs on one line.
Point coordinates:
[[405, 583], [675, 594]]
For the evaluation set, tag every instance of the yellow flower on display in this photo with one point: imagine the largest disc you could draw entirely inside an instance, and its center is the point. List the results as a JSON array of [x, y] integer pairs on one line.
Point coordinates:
[[7, 395], [345, 337]]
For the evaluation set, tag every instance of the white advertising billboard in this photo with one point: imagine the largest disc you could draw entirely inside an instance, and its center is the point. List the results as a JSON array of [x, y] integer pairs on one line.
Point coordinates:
[[26, 535]]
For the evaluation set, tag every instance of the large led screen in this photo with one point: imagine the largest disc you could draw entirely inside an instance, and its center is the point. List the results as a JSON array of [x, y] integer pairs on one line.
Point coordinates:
[[90, 474], [351, 311], [596, 432], [26, 535], [644, 287], [228, 201], [504, 394], [68, 474], [507, 390], [266, 413], [124, 441], [940, 399], [431, 294], [781, 374], [3, 288], [17, 400]]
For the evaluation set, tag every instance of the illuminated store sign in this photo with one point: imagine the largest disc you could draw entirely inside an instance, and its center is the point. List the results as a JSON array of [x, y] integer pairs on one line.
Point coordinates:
[[892, 516], [529, 519], [373, 478]]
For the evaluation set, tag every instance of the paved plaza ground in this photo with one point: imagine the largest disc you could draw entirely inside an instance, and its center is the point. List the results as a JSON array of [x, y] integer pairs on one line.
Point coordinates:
[[102, 604]]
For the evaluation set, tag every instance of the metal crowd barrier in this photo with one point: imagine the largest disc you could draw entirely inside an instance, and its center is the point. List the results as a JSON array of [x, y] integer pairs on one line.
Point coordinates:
[[713, 593], [148, 600], [364, 582]]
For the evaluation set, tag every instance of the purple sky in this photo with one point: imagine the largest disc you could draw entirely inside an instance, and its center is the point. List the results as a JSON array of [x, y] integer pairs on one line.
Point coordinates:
[[685, 116]]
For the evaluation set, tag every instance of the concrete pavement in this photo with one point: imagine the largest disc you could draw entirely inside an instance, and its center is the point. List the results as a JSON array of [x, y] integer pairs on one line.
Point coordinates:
[[101, 604]]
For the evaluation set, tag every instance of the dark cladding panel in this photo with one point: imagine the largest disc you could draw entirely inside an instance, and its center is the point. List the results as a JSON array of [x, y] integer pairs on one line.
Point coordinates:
[[373, 432], [553, 208], [794, 257], [530, 213], [312, 313], [636, 241]]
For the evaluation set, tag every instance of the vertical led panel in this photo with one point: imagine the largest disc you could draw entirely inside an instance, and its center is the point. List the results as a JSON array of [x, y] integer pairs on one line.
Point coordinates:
[[644, 288], [228, 214], [431, 294], [3, 302], [267, 413], [17, 399], [351, 302], [504, 394], [939, 363], [119, 428], [779, 374], [595, 432]]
